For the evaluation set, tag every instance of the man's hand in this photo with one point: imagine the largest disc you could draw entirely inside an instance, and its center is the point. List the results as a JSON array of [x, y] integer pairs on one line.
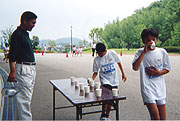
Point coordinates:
[[153, 71], [11, 77]]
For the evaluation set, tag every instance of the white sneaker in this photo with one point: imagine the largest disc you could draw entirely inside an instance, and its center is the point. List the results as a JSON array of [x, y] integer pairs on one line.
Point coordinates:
[[108, 119], [103, 118]]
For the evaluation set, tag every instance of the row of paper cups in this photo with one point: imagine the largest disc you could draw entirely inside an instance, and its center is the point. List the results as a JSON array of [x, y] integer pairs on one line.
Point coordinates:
[[92, 83], [98, 90]]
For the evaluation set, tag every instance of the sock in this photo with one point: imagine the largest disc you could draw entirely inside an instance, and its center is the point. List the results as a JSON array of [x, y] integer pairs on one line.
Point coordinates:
[[103, 115], [107, 116]]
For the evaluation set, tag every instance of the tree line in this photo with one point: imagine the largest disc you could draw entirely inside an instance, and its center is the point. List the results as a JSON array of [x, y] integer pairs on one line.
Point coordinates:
[[6, 37], [163, 15]]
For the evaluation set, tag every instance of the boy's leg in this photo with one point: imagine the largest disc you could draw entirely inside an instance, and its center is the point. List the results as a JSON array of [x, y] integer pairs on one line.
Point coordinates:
[[103, 115], [162, 111], [104, 108], [108, 110], [153, 111], [6, 58]]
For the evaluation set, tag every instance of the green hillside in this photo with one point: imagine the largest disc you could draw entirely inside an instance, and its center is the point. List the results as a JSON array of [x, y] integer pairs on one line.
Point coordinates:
[[163, 15]]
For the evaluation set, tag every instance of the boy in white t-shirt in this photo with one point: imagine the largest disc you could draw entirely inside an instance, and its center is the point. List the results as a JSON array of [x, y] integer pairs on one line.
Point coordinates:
[[104, 63], [6, 52], [153, 63]]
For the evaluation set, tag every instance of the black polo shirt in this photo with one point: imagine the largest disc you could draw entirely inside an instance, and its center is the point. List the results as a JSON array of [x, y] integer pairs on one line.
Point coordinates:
[[21, 47]]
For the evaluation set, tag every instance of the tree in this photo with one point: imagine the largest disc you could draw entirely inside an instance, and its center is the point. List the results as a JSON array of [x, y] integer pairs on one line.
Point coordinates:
[[85, 43], [35, 41], [6, 34], [163, 15], [80, 43], [67, 48], [52, 44], [176, 35], [96, 34]]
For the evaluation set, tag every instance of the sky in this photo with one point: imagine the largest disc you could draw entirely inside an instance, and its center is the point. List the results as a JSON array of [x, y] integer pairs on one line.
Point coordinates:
[[55, 17]]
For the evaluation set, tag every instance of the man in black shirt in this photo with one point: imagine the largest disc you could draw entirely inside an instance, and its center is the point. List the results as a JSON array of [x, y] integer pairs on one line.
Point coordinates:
[[22, 65]]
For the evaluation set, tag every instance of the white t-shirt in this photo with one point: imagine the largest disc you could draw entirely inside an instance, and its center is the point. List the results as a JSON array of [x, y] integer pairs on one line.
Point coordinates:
[[106, 65], [153, 87], [93, 46], [74, 49]]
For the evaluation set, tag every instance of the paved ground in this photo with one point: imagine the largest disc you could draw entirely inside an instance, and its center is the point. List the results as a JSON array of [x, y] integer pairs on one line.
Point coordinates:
[[57, 66]]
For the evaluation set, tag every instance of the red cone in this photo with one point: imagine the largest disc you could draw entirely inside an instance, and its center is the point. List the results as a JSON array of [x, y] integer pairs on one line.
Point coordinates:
[[42, 53], [67, 54], [121, 53]]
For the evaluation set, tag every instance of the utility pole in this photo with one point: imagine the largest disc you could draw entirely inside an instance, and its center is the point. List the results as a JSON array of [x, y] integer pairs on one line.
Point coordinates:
[[71, 39]]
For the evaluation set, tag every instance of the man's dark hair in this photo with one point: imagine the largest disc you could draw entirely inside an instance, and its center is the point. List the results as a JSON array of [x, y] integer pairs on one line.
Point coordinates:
[[100, 47], [28, 15], [149, 31]]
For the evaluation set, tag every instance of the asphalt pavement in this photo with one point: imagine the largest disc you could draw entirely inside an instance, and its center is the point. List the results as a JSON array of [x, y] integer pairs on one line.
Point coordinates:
[[58, 66]]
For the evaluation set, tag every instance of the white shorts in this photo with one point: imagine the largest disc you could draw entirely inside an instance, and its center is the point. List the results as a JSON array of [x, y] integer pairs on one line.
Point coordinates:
[[157, 102]]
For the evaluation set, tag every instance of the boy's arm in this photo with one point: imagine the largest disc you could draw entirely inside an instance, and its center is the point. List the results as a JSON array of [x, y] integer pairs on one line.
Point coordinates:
[[155, 72], [137, 63], [94, 75], [124, 78]]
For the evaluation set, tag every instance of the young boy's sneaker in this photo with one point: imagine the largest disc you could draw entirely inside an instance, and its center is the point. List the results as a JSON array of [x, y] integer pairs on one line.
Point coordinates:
[[103, 119], [108, 119]]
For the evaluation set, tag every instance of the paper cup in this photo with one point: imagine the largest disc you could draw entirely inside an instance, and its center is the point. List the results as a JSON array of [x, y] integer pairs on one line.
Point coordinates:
[[91, 83], [97, 85], [81, 86], [89, 79], [72, 79], [115, 92], [91, 89], [76, 83], [86, 88], [98, 92]]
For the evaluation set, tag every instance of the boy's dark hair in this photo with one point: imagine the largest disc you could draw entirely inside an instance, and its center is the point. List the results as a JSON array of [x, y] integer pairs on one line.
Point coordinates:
[[149, 31], [28, 15], [100, 47]]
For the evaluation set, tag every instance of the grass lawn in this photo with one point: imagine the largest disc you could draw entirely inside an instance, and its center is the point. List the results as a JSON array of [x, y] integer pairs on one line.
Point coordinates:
[[125, 51]]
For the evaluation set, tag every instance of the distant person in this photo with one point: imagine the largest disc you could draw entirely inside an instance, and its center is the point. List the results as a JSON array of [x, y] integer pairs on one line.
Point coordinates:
[[80, 51], [104, 63], [45, 48], [6, 52], [93, 46], [22, 65], [153, 63], [74, 50]]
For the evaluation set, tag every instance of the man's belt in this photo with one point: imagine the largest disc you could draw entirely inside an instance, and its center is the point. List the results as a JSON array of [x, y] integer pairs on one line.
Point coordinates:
[[27, 63]]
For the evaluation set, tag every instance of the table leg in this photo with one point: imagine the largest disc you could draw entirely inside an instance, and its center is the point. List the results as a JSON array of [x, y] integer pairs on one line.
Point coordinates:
[[53, 103], [117, 109], [80, 111], [77, 112]]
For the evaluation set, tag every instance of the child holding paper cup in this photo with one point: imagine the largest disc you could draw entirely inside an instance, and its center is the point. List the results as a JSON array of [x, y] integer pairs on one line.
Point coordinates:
[[153, 63], [104, 63]]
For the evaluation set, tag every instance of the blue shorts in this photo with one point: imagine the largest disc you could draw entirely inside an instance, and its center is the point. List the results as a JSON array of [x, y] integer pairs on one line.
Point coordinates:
[[157, 102]]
